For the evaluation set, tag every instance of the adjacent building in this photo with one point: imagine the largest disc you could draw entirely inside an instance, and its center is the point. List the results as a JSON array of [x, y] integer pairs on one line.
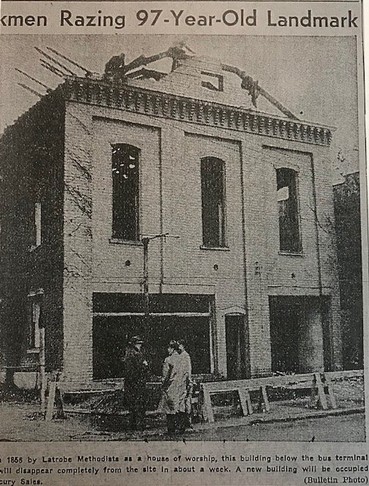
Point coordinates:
[[348, 231]]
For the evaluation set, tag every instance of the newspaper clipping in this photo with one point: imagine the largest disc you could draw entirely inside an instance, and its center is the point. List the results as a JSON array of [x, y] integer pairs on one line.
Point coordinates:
[[183, 243]]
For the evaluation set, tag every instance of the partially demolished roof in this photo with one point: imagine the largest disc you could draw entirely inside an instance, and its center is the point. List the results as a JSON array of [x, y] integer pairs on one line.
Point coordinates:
[[190, 89], [117, 71]]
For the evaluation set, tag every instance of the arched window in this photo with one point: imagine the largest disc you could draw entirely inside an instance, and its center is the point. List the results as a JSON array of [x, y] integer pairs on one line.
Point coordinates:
[[288, 204], [125, 174], [213, 202]]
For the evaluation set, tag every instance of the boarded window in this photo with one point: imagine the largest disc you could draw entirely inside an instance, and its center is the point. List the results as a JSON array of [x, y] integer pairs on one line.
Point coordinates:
[[125, 175], [213, 202], [287, 198]]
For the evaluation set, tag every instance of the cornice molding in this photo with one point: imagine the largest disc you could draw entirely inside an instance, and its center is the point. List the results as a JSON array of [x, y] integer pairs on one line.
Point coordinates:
[[190, 110]]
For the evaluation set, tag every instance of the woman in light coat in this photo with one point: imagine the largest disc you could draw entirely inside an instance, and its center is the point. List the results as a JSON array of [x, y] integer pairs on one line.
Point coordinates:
[[176, 377]]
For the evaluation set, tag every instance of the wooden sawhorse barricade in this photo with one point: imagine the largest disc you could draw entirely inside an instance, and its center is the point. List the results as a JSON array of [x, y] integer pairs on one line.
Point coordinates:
[[54, 399], [319, 383]]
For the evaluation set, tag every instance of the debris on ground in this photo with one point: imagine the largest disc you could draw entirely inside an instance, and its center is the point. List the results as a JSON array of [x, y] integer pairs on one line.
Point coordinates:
[[18, 395]]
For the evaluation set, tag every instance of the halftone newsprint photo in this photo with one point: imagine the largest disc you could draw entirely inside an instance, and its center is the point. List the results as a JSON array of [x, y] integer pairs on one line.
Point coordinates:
[[183, 243]]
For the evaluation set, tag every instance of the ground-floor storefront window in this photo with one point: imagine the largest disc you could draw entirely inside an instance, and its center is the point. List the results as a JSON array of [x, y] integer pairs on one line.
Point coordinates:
[[118, 317]]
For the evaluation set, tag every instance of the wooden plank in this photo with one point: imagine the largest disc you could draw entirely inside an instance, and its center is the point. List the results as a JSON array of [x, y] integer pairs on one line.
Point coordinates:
[[336, 375], [256, 383], [307, 380], [243, 401], [331, 396], [264, 396], [247, 399], [51, 400], [207, 406], [296, 381], [313, 394], [328, 384], [59, 400], [222, 389], [300, 386], [321, 392]]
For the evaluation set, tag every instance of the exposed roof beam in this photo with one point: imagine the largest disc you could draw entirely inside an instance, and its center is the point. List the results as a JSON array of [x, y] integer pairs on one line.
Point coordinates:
[[147, 73], [52, 69], [55, 61], [88, 73], [33, 91], [33, 79], [254, 89]]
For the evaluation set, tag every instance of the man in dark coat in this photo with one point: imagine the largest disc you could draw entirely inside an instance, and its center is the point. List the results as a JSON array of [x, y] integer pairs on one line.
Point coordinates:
[[136, 372]]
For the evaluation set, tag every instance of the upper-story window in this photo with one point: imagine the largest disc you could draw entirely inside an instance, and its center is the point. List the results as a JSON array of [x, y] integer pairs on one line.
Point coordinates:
[[37, 225], [125, 174], [288, 204], [212, 81], [213, 202]]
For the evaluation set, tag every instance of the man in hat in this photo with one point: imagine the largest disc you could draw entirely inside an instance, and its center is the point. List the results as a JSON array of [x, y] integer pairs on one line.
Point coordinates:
[[136, 372], [176, 388]]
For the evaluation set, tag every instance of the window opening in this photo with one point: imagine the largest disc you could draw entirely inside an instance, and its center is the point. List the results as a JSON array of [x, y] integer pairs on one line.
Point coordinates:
[[213, 202], [287, 198], [125, 174]]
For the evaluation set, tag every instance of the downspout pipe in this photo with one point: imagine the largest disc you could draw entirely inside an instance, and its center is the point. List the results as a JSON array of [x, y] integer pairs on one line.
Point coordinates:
[[319, 264]]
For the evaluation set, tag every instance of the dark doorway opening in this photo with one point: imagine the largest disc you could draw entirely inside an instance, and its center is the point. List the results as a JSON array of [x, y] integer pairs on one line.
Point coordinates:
[[285, 321], [299, 332], [236, 347]]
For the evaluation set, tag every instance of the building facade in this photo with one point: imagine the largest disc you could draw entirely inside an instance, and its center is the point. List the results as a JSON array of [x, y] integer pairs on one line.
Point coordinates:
[[349, 249], [168, 206]]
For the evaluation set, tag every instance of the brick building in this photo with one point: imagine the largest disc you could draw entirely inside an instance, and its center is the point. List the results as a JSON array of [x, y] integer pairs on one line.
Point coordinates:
[[348, 229], [203, 154]]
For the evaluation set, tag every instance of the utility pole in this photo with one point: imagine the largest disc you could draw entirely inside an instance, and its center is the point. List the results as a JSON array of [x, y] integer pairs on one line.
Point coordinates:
[[145, 241]]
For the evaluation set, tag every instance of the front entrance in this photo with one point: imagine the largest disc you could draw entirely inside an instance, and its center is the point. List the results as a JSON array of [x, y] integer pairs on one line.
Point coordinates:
[[236, 347]]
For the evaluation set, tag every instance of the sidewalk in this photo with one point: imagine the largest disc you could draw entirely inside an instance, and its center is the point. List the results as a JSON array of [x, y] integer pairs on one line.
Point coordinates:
[[22, 421], [283, 412]]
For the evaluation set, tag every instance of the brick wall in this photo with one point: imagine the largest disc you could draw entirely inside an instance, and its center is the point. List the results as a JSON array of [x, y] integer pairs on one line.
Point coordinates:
[[32, 170], [66, 162], [171, 202]]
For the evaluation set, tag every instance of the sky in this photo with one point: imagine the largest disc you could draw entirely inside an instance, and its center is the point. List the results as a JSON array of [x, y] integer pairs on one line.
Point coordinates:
[[314, 77]]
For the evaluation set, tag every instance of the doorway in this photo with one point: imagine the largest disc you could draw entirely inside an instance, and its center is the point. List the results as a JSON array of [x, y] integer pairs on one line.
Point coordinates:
[[236, 347], [285, 322], [299, 340]]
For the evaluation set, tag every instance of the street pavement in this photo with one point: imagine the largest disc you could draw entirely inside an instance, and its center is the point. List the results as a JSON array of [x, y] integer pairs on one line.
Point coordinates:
[[345, 428], [294, 419], [22, 422]]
